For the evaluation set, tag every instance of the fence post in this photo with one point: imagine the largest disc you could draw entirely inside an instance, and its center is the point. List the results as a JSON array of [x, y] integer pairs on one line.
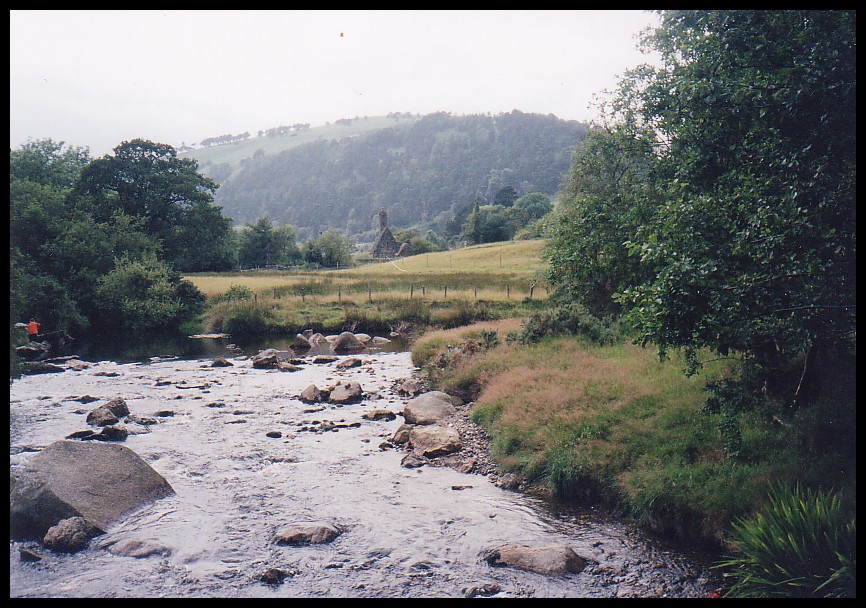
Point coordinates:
[[508, 291], [411, 291], [446, 292]]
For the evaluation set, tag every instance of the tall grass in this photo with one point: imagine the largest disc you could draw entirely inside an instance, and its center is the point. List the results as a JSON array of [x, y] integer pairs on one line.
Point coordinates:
[[614, 425], [802, 544]]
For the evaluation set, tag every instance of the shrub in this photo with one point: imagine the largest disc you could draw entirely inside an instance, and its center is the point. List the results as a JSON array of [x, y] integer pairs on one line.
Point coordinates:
[[144, 295], [568, 318], [801, 545]]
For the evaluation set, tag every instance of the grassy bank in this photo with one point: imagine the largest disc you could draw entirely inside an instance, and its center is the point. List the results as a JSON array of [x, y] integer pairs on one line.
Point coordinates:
[[613, 425], [443, 289]]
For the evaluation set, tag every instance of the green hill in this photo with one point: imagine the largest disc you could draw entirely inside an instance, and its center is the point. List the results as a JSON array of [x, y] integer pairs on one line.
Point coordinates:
[[218, 159], [426, 172]]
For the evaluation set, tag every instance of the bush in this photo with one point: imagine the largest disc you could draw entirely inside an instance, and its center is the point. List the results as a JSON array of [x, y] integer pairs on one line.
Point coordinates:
[[801, 545], [249, 319], [568, 319], [144, 295]]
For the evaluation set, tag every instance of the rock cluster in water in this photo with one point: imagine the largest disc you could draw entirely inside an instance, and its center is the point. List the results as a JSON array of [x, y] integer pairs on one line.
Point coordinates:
[[436, 431]]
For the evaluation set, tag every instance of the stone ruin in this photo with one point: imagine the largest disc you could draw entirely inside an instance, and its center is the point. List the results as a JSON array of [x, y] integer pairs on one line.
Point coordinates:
[[386, 246]]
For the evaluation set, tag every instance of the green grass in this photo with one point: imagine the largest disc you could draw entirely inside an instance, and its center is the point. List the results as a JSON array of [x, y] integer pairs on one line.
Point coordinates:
[[801, 544], [443, 289], [614, 425]]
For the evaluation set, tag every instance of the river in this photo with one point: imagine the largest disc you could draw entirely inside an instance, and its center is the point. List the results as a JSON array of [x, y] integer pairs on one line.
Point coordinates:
[[246, 458]]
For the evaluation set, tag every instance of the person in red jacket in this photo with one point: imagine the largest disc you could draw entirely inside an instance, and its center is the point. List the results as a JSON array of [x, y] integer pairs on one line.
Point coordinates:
[[33, 329]]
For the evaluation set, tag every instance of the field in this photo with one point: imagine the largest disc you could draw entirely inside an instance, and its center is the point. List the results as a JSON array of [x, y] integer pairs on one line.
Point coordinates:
[[444, 288], [491, 272]]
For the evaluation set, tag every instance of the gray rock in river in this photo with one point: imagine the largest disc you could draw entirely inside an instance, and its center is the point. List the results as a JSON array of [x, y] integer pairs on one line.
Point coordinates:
[[433, 440], [305, 534], [346, 342], [428, 408], [101, 482], [552, 560], [70, 535], [346, 392]]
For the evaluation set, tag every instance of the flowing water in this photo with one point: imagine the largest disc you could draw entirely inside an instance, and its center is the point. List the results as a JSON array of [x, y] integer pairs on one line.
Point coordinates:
[[246, 458]]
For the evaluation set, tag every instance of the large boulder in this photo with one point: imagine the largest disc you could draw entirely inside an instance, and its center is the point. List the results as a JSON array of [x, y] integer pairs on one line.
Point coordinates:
[[300, 343], [100, 482], [434, 440], [428, 408], [346, 342], [266, 359], [346, 392], [550, 560]]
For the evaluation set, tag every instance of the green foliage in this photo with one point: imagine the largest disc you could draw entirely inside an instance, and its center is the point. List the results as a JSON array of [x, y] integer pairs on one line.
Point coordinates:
[[730, 398], [717, 205], [605, 204], [329, 250], [249, 319], [147, 180], [237, 293], [115, 228], [48, 162], [568, 318], [802, 544], [260, 244], [754, 244], [489, 338], [144, 295]]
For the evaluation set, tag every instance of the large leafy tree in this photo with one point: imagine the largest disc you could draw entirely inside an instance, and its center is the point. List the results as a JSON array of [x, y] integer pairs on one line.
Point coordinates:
[[41, 174], [607, 199], [329, 250], [749, 126], [144, 294], [147, 180]]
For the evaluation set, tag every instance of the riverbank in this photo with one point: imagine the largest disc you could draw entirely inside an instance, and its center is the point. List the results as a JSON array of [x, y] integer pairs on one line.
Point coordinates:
[[615, 427]]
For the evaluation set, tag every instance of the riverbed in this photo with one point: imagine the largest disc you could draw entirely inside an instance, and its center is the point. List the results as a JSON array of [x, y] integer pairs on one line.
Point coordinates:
[[246, 457]]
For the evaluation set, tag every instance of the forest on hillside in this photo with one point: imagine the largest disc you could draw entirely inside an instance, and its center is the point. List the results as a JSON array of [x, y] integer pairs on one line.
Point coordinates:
[[423, 176]]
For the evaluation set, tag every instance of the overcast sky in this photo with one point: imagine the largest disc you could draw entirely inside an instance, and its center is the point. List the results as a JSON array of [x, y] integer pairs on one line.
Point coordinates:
[[97, 78]]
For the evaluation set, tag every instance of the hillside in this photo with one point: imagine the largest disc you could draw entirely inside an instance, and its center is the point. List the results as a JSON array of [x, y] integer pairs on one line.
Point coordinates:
[[424, 171], [220, 162]]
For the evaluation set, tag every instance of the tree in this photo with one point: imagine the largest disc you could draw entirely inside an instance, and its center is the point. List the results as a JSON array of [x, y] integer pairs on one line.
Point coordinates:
[[473, 225], [329, 250], [533, 206], [751, 118], [505, 196], [147, 180], [606, 202], [40, 177], [145, 294], [260, 244]]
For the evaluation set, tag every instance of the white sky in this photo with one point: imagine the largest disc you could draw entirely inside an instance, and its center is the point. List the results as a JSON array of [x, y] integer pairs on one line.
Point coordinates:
[[97, 78]]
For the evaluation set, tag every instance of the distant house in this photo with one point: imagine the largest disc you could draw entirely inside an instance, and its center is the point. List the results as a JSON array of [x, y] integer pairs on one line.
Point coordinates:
[[386, 246]]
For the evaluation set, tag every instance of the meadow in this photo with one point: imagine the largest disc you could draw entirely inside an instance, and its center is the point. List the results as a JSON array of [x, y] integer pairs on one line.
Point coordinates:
[[445, 289]]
